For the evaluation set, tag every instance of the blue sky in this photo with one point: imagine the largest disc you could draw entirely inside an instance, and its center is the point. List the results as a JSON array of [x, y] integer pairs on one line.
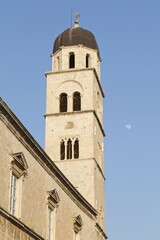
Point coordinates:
[[128, 35]]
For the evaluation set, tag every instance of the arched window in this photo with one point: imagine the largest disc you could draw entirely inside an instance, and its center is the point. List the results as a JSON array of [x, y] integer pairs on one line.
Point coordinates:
[[58, 64], [88, 59], [76, 149], [63, 102], [69, 149], [62, 150], [76, 101], [71, 60]]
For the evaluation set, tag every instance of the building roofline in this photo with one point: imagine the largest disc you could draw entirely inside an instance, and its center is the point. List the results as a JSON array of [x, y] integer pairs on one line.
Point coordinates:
[[101, 231], [17, 222], [14, 124]]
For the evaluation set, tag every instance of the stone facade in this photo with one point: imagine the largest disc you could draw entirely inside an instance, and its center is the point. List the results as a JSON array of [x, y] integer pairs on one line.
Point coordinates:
[[84, 125], [40, 178], [41, 196]]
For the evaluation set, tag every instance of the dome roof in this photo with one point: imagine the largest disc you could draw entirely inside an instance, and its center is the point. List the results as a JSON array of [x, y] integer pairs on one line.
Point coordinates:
[[75, 36]]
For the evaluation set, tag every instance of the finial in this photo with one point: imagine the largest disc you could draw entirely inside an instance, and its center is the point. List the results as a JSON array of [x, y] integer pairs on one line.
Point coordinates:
[[77, 15]]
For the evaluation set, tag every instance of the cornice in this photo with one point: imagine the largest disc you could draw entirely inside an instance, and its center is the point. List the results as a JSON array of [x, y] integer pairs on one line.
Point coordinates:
[[17, 128], [78, 112], [79, 70], [100, 125], [98, 81], [15, 221], [100, 230]]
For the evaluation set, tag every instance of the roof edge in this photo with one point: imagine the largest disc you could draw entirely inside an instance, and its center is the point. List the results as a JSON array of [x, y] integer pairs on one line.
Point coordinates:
[[75, 36], [45, 160]]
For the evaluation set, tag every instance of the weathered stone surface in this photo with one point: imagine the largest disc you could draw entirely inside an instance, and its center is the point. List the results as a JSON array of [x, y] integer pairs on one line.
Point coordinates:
[[87, 172], [42, 176], [17, 233], [24, 236], [2, 223], [10, 229]]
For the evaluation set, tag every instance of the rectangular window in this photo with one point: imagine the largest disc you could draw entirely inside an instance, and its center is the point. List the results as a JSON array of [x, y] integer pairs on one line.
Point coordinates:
[[13, 195], [52, 205], [50, 224], [19, 168]]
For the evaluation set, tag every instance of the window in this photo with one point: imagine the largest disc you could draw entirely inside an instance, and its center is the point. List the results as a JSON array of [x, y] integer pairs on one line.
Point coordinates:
[[88, 60], [52, 205], [62, 150], [58, 64], [69, 148], [76, 101], [50, 224], [63, 102], [13, 194], [76, 149], [19, 170], [71, 60]]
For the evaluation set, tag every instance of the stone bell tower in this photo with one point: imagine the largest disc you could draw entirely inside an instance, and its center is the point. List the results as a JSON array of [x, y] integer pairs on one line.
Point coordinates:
[[74, 114]]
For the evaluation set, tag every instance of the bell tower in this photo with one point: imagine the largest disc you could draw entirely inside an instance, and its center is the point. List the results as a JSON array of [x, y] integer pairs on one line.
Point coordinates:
[[74, 114]]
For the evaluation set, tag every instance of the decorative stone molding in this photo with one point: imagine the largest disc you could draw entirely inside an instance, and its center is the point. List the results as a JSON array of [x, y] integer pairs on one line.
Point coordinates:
[[11, 227], [53, 199], [19, 164], [77, 224], [100, 232], [21, 133]]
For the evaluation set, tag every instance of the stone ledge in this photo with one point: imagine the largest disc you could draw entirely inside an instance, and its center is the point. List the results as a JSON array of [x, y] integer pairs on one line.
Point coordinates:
[[15, 228], [79, 112], [18, 129], [79, 70], [100, 231]]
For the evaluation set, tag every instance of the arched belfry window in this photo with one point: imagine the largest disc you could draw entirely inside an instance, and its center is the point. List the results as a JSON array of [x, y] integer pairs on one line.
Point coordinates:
[[63, 102], [88, 59], [69, 149], [62, 150], [76, 101], [76, 149], [58, 64], [71, 60]]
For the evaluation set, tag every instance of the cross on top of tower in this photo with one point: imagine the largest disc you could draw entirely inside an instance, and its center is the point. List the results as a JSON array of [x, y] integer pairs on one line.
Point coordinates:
[[77, 16]]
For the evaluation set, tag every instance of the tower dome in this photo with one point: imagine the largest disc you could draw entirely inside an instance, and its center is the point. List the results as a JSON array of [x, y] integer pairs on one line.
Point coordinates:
[[75, 36]]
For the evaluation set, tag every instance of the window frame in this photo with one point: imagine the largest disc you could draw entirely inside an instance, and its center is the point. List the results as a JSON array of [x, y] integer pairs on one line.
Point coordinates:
[[70, 148], [52, 206], [76, 149], [62, 150], [63, 102], [19, 168], [88, 60], [76, 101], [13, 191], [71, 60], [50, 224]]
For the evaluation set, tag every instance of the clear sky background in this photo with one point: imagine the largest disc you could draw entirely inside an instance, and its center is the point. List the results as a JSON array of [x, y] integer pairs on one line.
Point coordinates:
[[128, 35]]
